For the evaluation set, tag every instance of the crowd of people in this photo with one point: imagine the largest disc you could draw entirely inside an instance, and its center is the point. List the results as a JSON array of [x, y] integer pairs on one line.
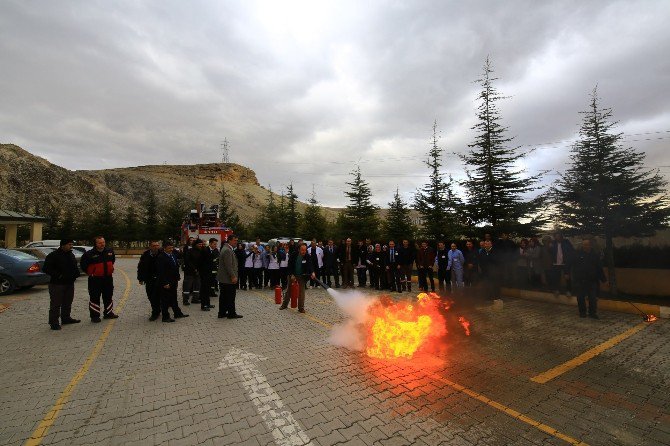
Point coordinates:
[[208, 271]]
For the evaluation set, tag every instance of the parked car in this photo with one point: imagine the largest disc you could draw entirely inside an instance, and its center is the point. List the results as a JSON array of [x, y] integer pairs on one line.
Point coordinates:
[[41, 243], [41, 252], [20, 270]]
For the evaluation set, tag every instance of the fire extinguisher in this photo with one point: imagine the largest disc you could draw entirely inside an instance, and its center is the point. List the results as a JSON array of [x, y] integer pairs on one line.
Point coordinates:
[[294, 290], [278, 294]]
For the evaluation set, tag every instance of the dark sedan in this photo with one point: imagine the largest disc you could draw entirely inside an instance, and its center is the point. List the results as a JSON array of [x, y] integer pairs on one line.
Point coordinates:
[[19, 270]]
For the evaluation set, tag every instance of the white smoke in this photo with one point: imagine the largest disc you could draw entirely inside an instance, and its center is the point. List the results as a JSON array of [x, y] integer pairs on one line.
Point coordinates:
[[354, 304]]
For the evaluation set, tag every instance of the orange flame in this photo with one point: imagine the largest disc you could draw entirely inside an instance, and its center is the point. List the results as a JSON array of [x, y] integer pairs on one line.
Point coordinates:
[[400, 329], [465, 324]]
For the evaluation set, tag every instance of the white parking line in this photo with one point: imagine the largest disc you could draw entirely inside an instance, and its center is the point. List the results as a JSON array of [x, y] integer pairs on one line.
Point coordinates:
[[284, 428]]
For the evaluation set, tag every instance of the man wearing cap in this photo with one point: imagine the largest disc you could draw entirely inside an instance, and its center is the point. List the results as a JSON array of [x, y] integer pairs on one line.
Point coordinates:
[[227, 277], [98, 263], [62, 267]]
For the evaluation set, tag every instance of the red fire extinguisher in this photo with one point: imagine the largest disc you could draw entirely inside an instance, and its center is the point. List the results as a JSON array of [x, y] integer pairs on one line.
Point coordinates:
[[278, 294], [294, 290]]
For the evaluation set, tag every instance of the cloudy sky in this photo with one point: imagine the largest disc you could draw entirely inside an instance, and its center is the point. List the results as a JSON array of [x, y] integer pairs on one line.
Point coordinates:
[[305, 90]]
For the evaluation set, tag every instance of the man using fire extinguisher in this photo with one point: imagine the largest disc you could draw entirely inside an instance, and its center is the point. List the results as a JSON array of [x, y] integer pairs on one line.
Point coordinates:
[[300, 269]]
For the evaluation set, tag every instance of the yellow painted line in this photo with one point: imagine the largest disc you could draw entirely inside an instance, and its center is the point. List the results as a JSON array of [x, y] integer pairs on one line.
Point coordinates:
[[587, 355], [3, 308], [481, 398], [510, 412], [43, 428]]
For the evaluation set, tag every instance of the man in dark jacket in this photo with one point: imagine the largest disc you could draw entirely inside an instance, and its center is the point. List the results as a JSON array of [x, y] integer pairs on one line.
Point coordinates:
[[406, 259], [348, 259], [586, 270], [147, 275], [330, 264], [98, 263], [167, 281], [489, 265], [471, 263], [192, 266], [442, 261], [209, 256], [300, 269], [425, 259], [376, 262], [393, 268], [62, 267]]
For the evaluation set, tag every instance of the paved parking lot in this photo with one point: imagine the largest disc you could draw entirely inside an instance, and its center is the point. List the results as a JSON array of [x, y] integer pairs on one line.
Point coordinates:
[[273, 377]]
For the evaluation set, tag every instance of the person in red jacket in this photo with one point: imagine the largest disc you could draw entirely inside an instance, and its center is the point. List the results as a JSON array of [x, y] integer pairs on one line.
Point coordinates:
[[98, 263]]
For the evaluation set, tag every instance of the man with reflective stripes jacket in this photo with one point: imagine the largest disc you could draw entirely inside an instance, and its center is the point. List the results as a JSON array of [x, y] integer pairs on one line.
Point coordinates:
[[98, 263]]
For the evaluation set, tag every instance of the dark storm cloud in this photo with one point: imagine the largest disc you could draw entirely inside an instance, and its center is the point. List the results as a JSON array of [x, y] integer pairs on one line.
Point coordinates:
[[305, 90]]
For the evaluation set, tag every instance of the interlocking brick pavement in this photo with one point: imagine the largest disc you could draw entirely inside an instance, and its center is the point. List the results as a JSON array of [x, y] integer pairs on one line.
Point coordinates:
[[156, 383]]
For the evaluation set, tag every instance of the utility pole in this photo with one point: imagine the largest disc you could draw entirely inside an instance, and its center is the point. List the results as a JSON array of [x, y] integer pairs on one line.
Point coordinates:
[[225, 152]]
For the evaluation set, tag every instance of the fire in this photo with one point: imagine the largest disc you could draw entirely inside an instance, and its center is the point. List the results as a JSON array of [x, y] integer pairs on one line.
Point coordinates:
[[400, 329], [465, 324]]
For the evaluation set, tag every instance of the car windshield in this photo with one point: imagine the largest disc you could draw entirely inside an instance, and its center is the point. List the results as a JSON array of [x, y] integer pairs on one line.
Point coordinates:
[[17, 254]]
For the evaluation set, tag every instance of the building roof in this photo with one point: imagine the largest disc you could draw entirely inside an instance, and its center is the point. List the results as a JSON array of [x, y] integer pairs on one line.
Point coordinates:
[[11, 217]]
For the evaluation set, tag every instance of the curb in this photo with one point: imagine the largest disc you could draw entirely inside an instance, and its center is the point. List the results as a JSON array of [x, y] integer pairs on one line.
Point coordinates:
[[603, 304]]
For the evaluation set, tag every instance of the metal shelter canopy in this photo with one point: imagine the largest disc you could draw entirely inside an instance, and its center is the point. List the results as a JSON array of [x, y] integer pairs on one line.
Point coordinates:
[[11, 220]]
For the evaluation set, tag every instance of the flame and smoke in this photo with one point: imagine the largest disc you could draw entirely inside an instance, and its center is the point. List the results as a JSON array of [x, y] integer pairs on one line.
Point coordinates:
[[389, 329]]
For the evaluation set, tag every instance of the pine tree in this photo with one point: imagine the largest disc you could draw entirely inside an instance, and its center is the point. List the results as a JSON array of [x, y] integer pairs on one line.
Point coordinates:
[[359, 218], [150, 221], [267, 222], [172, 218], [606, 191], [398, 223], [495, 191], [436, 202], [227, 213], [292, 216], [314, 224], [105, 223], [130, 227]]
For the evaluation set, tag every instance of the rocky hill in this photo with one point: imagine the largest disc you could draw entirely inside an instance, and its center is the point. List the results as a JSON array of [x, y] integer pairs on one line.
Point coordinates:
[[32, 184]]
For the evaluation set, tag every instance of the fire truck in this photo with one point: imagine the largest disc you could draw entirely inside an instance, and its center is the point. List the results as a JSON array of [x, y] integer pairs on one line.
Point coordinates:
[[204, 224]]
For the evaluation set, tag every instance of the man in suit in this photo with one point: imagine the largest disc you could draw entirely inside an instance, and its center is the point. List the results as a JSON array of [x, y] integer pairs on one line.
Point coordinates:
[[425, 258], [393, 268], [348, 258], [167, 269], [227, 277], [330, 263], [406, 258]]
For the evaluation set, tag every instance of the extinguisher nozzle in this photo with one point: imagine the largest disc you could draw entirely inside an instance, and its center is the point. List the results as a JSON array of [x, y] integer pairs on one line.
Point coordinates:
[[325, 287]]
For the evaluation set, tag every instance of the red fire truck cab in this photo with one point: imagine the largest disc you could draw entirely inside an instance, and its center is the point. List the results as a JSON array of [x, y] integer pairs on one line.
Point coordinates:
[[204, 224]]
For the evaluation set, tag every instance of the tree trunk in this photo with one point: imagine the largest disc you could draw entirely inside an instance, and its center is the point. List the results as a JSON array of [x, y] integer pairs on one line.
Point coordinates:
[[609, 261]]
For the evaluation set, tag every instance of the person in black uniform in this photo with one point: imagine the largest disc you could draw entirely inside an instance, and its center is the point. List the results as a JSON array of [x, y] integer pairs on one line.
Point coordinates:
[[442, 260], [62, 267], [586, 269], [98, 263], [167, 269], [393, 268], [147, 275]]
